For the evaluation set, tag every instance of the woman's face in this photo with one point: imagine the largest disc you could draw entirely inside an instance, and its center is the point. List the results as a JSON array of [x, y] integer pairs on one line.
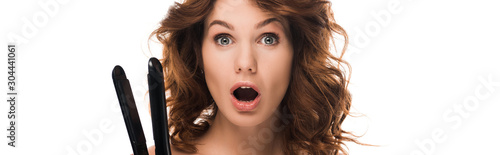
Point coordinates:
[[247, 58]]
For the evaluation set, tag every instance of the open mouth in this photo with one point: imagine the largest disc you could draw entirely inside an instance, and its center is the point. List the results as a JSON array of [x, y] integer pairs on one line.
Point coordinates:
[[245, 94]]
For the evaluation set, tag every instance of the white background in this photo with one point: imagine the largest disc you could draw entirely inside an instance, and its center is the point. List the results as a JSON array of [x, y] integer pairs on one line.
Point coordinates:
[[415, 65]]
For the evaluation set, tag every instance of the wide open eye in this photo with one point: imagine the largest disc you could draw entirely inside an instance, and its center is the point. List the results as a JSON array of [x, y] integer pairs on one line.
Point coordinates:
[[223, 40], [269, 39]]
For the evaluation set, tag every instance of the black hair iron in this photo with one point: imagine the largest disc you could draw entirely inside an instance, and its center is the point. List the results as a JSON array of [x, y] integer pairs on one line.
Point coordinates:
[[158, 109], [129, 111]]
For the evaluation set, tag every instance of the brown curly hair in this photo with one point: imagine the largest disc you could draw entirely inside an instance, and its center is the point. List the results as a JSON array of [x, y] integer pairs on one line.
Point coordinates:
[[317, 97]]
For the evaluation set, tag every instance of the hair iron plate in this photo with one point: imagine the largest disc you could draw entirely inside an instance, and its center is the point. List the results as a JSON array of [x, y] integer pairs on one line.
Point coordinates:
[[158, 109]]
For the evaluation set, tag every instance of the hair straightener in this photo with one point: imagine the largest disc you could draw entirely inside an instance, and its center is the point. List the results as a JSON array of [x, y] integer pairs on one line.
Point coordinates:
[[158, 109]]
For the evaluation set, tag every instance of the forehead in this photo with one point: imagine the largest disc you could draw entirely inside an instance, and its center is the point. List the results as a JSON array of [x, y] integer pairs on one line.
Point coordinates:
[[237, 12]]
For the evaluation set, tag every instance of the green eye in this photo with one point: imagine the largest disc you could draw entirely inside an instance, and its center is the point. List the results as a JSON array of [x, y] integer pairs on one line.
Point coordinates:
[[223, 40]]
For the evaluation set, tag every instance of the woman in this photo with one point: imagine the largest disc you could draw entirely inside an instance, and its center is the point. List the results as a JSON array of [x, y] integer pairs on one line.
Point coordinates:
[[254, 77]]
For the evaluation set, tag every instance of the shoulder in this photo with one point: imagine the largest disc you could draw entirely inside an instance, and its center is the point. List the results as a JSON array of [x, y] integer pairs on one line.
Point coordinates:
[[151, 151]]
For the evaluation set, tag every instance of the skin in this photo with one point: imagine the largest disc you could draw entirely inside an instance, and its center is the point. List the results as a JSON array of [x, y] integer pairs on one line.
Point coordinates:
[[249, 50]]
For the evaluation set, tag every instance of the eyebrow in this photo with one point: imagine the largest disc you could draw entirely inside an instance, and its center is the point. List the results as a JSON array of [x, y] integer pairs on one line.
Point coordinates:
[[257, 26], [267, 21], [221, 23]]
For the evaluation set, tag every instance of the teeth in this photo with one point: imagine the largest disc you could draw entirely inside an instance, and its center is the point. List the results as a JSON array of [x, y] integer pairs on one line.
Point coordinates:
[[244, 87]]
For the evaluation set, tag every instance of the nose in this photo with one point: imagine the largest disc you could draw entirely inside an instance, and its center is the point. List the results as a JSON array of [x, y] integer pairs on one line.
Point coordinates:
[[245, 61]]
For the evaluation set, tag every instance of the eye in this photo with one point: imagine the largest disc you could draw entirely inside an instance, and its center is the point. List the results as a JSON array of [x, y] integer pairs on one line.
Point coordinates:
[[223, 39], [269, 39]]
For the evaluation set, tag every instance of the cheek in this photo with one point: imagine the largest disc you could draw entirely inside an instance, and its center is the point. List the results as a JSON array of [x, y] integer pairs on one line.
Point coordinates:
[[277, 74], [216, 70]]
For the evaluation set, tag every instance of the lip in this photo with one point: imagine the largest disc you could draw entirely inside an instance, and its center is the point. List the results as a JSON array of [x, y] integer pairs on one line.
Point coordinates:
[[241, 105]]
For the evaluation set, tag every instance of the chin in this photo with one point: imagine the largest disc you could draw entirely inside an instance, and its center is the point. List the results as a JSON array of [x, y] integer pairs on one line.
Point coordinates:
[[246, 118], [242, 119]]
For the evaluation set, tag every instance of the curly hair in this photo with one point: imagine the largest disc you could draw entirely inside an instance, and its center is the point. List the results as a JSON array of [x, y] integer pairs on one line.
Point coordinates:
[[317, 97]]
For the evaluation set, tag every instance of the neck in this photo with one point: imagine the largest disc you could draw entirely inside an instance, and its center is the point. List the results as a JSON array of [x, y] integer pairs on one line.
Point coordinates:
[[224, 137]]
